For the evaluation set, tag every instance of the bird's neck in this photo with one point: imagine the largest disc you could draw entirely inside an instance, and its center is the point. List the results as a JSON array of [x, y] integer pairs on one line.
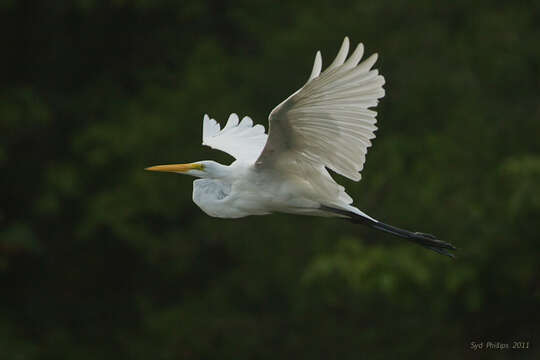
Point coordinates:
[[218, 171]]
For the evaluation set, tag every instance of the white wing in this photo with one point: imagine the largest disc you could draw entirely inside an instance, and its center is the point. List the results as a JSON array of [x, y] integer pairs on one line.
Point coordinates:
[[326, 123], [239, 139]]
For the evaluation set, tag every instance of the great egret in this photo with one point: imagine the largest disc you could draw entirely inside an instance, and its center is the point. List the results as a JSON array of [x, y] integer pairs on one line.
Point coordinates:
[[325, 124]]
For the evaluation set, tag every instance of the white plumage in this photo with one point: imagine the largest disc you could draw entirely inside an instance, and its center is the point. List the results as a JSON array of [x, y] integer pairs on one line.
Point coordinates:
[[326, 124], [239, 139]]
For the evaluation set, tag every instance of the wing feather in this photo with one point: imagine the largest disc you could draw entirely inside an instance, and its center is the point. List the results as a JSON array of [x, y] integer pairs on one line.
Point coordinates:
[[317, 66], [241, 139], [327, 123]]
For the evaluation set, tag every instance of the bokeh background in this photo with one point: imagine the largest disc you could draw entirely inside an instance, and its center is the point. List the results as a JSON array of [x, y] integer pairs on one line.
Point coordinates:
[[101, 260]]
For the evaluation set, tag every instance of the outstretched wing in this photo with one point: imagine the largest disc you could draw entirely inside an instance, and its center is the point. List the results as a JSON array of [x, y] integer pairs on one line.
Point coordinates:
[[240, 139], [327, 123]]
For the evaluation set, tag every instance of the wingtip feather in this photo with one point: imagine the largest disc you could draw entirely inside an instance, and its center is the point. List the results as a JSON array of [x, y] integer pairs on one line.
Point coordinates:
[[317, 66], [341, 55], [232, 121], [368, 63], [210, 127]]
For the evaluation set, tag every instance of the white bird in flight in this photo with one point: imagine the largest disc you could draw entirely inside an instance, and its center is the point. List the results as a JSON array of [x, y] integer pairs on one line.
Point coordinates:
[[325, 124]]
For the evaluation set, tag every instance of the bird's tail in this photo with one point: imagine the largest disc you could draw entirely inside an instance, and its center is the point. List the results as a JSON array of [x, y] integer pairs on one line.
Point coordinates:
[[426, 240]]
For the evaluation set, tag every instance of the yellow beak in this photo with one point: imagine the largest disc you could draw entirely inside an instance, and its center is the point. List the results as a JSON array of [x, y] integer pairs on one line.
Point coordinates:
[[176, 168]]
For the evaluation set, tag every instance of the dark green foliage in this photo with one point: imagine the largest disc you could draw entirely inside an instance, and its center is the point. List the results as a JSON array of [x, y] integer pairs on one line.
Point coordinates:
[[101, 260]]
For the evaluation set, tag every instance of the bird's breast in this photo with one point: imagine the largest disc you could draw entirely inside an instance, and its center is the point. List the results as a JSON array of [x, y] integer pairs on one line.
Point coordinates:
[[224, 200]]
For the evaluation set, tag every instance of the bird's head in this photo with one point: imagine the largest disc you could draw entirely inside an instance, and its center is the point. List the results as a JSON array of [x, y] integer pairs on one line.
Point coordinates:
[[200, 169]]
